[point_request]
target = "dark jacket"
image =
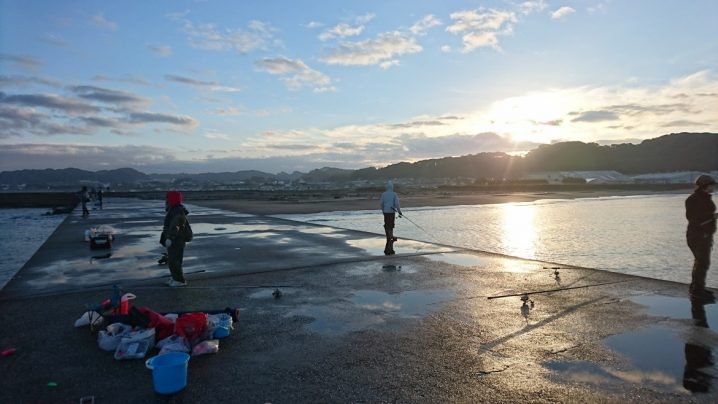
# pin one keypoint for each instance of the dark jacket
(700, 212)
(176, 227)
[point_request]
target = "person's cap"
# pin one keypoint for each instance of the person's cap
(705, 180)
(174, 198)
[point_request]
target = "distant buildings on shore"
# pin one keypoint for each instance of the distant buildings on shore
(537, 178)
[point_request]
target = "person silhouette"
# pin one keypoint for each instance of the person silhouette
(699, 358)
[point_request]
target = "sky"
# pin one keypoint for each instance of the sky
(211, 85)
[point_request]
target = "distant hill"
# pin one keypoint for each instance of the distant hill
(669, 153)
(674, 152)
(70, 176)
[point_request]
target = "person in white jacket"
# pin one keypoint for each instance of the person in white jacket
(389, 207)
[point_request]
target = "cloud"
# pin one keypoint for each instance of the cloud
(55, 40)
(214, 135)
(132, 79)
(49, 101)
(296, 73)
(420, 27)
(152, 117)
(341, 30)
(481, 28)
(159, 50)
(257, 36)
(528, 7)
(422, 146)
(385, 47)
(314, 24)
(23, 62)
(88, 157)
(108, 96)
(683, 123)
(382, 50)
(209, 85)
(24, 81)
(562, 13)
(595, 116)
(99, 21)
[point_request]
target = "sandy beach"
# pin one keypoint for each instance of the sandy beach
(413, 200)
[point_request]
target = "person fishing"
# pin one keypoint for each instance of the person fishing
(389, 202)
(701, 215)
(84, 198)
(175, 234)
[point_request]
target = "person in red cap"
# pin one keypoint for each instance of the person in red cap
(701, 215)
(175, 234)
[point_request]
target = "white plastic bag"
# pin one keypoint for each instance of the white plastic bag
(110, 338)
(85, 319)
(206, 347)
(173, 343)
(136, 344)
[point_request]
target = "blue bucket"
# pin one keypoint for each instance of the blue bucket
(169, 372)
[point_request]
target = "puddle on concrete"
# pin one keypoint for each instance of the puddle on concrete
(377, 268)
(466, 260)
(370, 308)
(375, 246)
(664, 359)
(679, 308)
(658, 357)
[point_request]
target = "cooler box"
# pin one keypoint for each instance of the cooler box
(101, 242)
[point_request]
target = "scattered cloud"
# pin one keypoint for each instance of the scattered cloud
(55, 40)
(132, 79)
(48, 101)
(88, 157)
(562, 13)
(24, 81)
(151, 117)
(215, 135)
(420, 27)
(481, 28)
(595, 116)
(382, 50)
(341, 30)
(296, 74)
(314, 24)
(22, 62)
(683, 123)
(106, 95)
(257, 36)
(159, 50)
(209, 85)
(528, 7)
(385, 47)
(100, 21)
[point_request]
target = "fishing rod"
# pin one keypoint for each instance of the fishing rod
(556, 290)
(421, 228)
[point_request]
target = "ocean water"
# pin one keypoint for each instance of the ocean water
(24, 231)
(639, 235)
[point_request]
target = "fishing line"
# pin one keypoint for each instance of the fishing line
(557, 290)
(420, 228)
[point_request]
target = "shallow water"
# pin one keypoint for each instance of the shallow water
(25, 231)
(639, 235)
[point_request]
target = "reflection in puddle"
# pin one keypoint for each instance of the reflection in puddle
(369, 308)
(662, 357)
(659, 359)
(676, 307)
(467, 260)
(375, 246)
(384, 267)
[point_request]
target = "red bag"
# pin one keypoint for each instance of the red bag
(192, 326)
(162, 325)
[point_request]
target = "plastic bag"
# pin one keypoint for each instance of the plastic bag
(220, 325)
(173, 343)
(206, 347)
(192, 326)
(110, 338)
(136, 344)
(85, 319)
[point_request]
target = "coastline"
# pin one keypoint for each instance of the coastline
(414, 200)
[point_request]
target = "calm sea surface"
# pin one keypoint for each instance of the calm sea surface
(640, 235)
(23, 232)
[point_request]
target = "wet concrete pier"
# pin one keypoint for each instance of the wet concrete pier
(351, 325)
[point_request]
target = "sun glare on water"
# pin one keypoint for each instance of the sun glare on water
(519, 232)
